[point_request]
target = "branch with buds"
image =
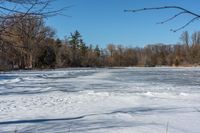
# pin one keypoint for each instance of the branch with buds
(182, 11)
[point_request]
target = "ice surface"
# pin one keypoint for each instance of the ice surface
(135, 100)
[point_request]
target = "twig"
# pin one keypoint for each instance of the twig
(171, 18)
(188, 23)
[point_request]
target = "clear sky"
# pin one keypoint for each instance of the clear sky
(103, 21)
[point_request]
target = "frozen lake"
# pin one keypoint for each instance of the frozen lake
(135, 100)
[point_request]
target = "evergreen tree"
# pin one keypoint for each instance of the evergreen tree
(97, 51)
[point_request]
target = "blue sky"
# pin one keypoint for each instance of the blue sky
(103, 21)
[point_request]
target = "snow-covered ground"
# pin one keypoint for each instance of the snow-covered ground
(135, 100)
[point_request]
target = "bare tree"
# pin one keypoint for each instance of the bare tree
(181, 11)
(185, 38)
(195, 38)
(26, 36)
(21, 27)
(10, 9)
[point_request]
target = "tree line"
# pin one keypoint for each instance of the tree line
(30, 44)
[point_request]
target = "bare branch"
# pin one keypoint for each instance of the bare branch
(164, 7)
(181, 12)
(188, 23)
(171, 18)
(22, 8)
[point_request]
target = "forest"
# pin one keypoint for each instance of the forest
(30, 44)
(26, 42)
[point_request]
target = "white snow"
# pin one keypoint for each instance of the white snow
(135, 100)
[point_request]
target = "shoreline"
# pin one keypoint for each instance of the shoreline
(50, 69)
